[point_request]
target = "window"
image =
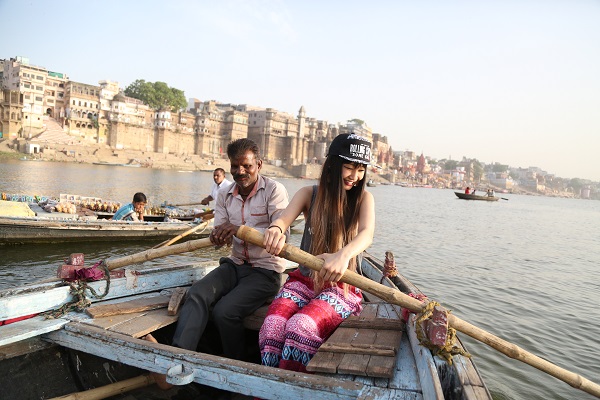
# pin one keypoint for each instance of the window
(39, 88)
(39, 98)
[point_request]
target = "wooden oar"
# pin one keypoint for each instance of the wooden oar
(504, 198)
(156, 253)
(181, 205)
(148, 255)
(169, 242)
(393, 296)
(111, 389)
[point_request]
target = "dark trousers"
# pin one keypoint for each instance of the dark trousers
(234, 292)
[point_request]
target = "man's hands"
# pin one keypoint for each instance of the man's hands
(223, 234)
(205, 201)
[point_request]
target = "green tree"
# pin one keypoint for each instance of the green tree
(576, 184)
(499, 168)
(357, 121)
(449, 165)
(477, 171)
(157, 95)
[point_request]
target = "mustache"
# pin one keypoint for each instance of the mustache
(241, 176)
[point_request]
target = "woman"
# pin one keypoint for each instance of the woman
(340, 219)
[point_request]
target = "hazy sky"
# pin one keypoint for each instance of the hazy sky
(510, 81)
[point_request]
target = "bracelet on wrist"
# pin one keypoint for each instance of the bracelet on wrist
(275, 226)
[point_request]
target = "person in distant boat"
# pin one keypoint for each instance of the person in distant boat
(133, 211)
(339, 225)
(220, 182)
(250, 276)
(468, 190)
(490, 193)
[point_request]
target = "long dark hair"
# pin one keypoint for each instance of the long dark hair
(334, 219)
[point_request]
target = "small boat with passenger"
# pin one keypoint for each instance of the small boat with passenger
(376, 355)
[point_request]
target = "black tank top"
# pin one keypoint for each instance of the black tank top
(307, 235)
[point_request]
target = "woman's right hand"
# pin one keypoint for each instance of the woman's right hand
(274, 240)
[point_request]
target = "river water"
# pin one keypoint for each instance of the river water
(525, 268)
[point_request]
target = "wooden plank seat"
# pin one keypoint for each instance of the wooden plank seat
(141, 316)
(366, 345)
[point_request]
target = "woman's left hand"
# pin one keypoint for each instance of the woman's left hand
(334, 267)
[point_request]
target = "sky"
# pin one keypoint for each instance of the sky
(509, 81)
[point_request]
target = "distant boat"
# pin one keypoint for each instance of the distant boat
(371, 183)
(465, 196)
(134, 165)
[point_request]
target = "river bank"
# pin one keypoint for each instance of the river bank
(102, 155)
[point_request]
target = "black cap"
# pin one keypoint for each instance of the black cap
(351, 147)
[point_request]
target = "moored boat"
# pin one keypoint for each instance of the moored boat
(76, 352)
(465, 196)
(30, 230)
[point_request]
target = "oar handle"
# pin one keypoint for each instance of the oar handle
(393, 296)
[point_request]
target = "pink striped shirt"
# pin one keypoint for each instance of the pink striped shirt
(263, 205)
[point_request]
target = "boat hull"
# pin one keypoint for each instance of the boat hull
(36, 230)
(95, 349)
(465, 196)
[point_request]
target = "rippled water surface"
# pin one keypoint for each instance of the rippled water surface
(525, 269)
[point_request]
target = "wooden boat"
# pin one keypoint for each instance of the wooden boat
(371, 183)
(465, 196)
(130, 164)
(42, 358)
(28, 230)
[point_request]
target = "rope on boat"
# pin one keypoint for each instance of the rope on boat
(389, 266)
(450, 348)
(80, 302)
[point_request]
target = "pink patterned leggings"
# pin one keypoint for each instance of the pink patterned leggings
(298, 321)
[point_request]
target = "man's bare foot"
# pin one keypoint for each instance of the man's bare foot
(160, 379)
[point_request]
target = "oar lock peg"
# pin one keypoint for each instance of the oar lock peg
(180, 375)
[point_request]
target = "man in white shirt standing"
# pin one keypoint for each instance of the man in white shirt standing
(220, 182)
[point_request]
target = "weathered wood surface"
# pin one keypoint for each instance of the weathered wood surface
(43, 297)
(34, 230)
(237, 376)
(176, 300)
(132, 306)
(361, 345)
(28, 328)
(137, 325)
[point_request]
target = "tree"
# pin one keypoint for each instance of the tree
(357, 121)
(157, 95)
(477, 171)
(499, 167)
(450, 165)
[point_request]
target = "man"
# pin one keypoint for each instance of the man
(250, 276)
(220, 182)
(133, 211)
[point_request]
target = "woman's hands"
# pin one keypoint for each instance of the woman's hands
(274, 239)
(334, 267)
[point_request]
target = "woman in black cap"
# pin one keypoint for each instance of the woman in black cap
(339, 225)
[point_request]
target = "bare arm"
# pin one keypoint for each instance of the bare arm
(336, 264)
(274, 236)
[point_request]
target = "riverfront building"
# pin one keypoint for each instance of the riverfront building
(102, 115)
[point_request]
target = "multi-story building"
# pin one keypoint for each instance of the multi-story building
(216, 124)
(382, 151)
(357, 127)
(11, 113)
(82, 111)
(282, 138)
(43, 92)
